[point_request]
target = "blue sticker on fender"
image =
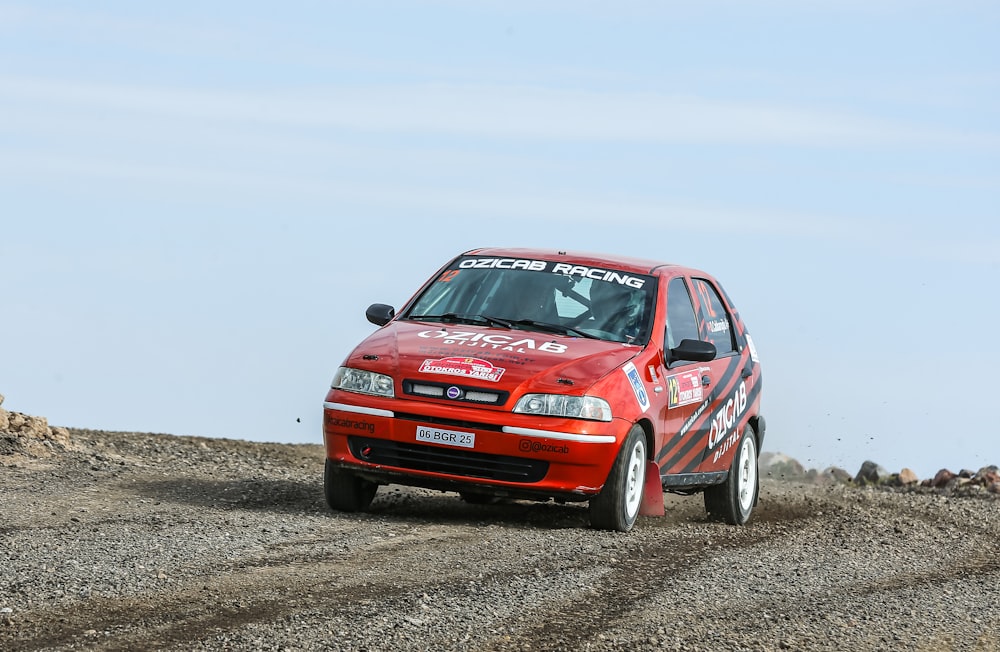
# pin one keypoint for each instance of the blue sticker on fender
(636, 380)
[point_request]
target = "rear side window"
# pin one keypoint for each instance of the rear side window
(718, 326)
(681, 322)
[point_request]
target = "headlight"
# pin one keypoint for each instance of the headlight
(557, 405)
(363, 382)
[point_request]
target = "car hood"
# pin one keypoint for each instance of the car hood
(502, 359)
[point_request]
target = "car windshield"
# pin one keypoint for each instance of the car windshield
(541, 295)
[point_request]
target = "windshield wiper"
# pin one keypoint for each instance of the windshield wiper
(555, 328)
(487, 320)
(454, 317)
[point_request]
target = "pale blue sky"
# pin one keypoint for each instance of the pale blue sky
(199, 200)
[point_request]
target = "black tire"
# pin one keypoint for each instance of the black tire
(617, 506)
(733, 500)
(346, 492)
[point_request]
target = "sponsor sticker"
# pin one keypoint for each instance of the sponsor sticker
(720, 325)
(349, 424)
(684, 388)
(532, 446)
(728, 416)
(567, 269)
(636, 381)
(753, 349)
(475, 368)
(446, 437)
(491, 341)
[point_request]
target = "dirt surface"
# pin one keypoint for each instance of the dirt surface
(134, 541)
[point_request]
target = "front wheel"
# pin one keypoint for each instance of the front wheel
(733, 500)
(346, 492)
(617, 506)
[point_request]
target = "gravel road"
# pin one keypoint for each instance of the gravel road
(138, 541)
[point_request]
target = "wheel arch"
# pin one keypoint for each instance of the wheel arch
(650, 433)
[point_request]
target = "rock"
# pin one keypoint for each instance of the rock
(908, 477)
(871, 473)
(1, 399)
(60, 435)
(779, 465)
(994, 488)
(837, 475)
(965, 473)
(942, 478)
(27, 436)
(987, 475)
(957, 482)
(15, 421)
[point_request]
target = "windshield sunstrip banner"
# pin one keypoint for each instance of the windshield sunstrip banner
(565, 269)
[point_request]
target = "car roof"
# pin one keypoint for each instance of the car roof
(590, 259)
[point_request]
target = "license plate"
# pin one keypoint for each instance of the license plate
(446, 437)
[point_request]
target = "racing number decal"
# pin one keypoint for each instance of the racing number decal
(684, 388)
(705, 298)
(449, 275)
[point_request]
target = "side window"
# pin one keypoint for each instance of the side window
(718, 325)
(681, 323)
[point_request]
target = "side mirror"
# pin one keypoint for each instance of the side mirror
(693, 350)
(380, 314)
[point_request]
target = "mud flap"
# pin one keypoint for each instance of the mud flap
(652, 492)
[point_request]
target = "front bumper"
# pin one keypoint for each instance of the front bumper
(512, 453)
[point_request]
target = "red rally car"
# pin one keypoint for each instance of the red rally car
(531, 374)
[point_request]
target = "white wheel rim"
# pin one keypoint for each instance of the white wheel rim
(635, 476)
(746, 471)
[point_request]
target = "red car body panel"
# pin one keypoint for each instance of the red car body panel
(692, 412)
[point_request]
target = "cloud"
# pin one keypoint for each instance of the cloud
(497, 112)
(594, 210)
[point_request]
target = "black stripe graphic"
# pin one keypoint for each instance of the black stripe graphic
(730, 382)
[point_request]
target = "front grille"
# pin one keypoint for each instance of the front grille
(453, 392)
(418, 457)
(447, 423)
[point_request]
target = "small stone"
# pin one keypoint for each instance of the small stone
(908, 477)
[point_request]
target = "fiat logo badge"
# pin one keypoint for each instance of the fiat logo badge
(454, 392)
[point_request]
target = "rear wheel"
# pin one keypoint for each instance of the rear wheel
(617, 506)
(733, 500)
(345, 491)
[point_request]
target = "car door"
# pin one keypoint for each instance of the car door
(725, 380)
(686, 401)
